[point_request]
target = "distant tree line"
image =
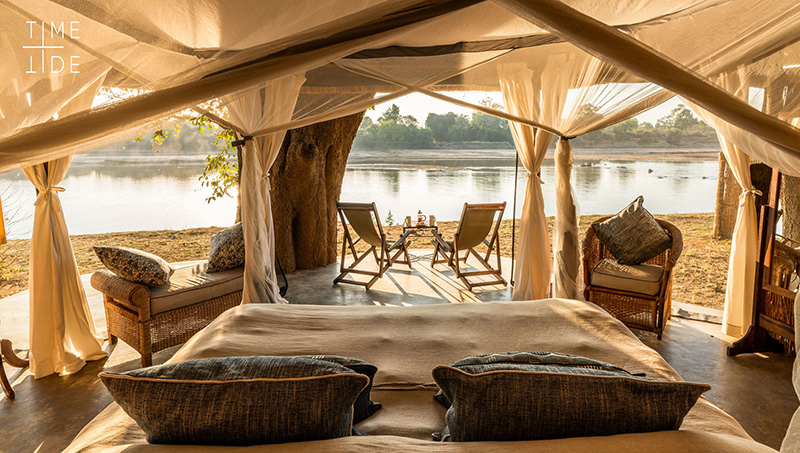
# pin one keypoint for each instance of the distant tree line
(395, 131)
(680, 128)
(392, 130)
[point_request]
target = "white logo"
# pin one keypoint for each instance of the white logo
(51, 60)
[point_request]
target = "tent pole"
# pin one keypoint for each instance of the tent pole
(514, 211)
(514, 216)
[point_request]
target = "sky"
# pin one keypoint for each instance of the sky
(419, 105)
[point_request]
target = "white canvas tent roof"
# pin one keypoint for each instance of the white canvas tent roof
(564, 67)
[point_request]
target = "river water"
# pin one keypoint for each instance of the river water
(163, 192)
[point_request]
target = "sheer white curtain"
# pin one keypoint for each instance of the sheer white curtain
(569, 93)
(255, 109)
(568, 279)
(566, 82)
(738, 310)
(738, 314)
(532, 273)
(62, 331)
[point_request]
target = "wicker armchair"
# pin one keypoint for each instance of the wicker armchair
(637, 310)
(150, 324)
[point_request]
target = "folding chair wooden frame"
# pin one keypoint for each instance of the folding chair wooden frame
(7, 354)
(477, 223)
(359, 216)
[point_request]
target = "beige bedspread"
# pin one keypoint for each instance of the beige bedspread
(406, 343)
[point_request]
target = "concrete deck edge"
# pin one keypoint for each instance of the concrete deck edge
(696, 312)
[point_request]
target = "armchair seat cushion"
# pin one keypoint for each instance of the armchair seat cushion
(638, 278)
(191, 283)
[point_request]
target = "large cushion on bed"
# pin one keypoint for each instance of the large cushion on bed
(633, 235)
(558, 396)
(239, 400)
(530, 358)
(191, 284)
(635, 278)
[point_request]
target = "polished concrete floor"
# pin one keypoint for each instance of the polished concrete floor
(47, 413)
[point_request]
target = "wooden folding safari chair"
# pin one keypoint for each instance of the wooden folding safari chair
(476, 225)
(360, 218)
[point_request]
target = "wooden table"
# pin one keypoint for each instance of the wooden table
(418, 229)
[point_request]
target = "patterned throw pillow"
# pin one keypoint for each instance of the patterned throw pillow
(633, 235)
(556, 396)
(239, 400)
(227, 249)
(135, 265)
(531, 358)
(364, 407)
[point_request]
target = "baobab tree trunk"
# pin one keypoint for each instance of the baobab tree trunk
(727, 203)
(728, 192)
(306, 182)
(790, 202)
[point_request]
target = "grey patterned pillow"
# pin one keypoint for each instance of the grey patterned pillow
(227, 249)
(135, 265)
(239, 400)
(531, 358)
(633, 235)
(574, 396)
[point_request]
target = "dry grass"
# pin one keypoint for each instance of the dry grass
(699, 276)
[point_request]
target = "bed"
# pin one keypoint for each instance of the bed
(406, 343)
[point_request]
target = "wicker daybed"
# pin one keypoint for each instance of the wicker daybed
(152, 319)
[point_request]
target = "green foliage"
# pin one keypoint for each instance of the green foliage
(393, 130)
(221, 172)
(389, 219)
(678, 129)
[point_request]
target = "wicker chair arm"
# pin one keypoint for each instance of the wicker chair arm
(591, 247)
(677, 244)
(127, 292)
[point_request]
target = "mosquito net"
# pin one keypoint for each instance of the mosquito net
(564, 68)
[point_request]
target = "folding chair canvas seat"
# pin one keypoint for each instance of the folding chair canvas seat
(478, 222)
(360, 216)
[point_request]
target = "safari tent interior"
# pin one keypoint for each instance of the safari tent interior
(261, 68)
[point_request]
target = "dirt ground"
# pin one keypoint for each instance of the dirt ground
(699, 275)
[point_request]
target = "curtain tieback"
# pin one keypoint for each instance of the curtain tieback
(237, 143)
(751, 191)
(46, 192)
(536, 178)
